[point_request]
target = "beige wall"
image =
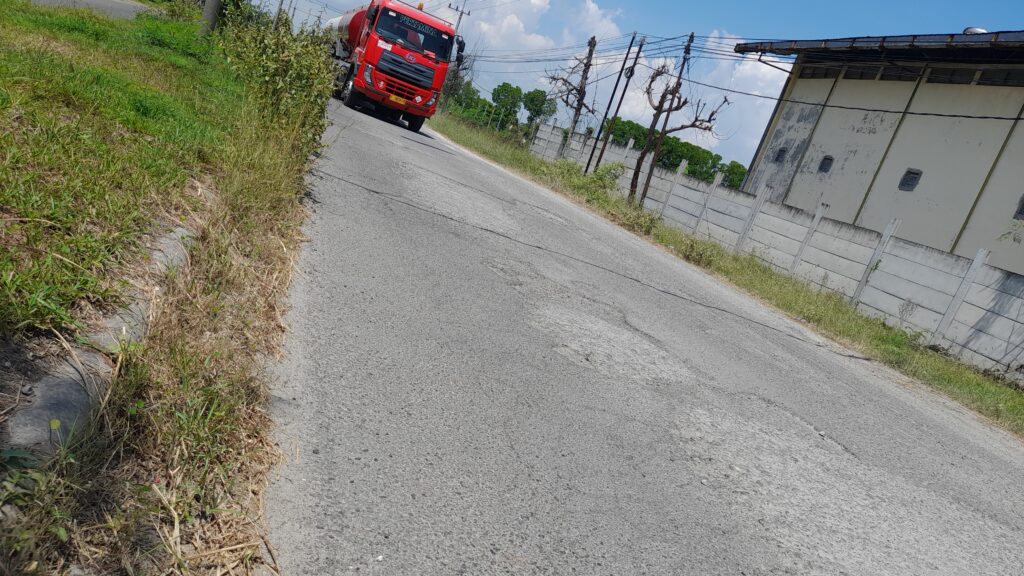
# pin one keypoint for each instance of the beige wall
(792, 131)
(993, 217)
(857, 140)
(955, 155)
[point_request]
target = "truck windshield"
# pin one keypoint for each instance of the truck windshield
(414, 35)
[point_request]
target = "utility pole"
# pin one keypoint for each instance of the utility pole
(581, 91)
(664, 127)
(611, 100)
(277, 15)
(211, 16)
(290, 11)
(462, 12)
(574, 96)
(629, 77)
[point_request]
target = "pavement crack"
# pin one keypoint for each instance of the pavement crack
(552, 251)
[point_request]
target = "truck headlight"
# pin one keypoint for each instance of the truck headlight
(368, 74)
(433, 100)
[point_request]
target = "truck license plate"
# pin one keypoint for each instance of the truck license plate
(397, 100)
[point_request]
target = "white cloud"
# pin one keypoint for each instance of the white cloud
(742, 123)
(543, 26)
(510, 29)
(595, 21)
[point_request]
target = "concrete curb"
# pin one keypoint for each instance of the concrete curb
(70, 391)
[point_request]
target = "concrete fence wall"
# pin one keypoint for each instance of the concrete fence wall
(974, 310)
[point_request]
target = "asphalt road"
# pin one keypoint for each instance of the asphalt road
(483, 378)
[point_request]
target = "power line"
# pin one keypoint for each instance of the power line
(842, 107)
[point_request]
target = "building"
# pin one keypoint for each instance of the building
(922, 128)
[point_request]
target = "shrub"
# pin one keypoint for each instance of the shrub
(290, 73)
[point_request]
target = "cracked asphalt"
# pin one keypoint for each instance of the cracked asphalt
(484, 378)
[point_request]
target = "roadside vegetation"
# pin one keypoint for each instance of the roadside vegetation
(829, 313)
(112, 132)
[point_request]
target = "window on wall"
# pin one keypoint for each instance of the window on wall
(951, 76)
(819, 71)
(780, 155)
(911, 178)
(861, 72)
(900, 73)
(825, 166)
(1002, 77)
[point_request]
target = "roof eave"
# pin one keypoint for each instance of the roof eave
(1002, 40)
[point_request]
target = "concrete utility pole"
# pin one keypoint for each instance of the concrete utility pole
(574, 96)
(462, 12)
(277, 15)
(664, 126)
(581, 90)
(629, 77)
(211, 16)
(611, 100)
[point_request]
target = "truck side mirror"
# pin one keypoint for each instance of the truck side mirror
(460, 46)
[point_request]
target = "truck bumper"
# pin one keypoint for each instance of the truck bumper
(384, 98)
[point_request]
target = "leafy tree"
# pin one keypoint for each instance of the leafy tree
(624, 130)
(701, 163)
(467, 96)
(733, 174)
(538, 106)
(507, 101)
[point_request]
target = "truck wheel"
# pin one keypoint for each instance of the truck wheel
(415, 122)
(351, 97)
(342, 82)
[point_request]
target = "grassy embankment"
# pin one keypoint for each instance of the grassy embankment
(828, 313)
(111, 132)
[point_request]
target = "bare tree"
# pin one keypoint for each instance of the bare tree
(700, 117)
(574, 95)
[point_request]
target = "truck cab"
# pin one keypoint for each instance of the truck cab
(394, 56)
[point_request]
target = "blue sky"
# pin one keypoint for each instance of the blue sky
(540, 29)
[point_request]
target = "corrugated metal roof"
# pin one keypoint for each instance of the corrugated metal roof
(1002, 40)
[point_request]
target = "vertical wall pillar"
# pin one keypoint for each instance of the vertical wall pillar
(876, 256)
(818, 215)
(547, 141)
(583, 149)
(762, 195)
(672, 187)
(958, 299)
(704, 208)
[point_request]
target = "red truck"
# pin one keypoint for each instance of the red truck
(393, 56)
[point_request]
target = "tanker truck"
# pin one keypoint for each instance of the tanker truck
(394, 57)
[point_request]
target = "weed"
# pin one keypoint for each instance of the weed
(102, 127)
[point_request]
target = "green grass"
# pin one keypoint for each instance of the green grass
(826, 312)
(101, 124)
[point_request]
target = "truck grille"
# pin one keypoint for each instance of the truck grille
(416, 74)
(399, 89)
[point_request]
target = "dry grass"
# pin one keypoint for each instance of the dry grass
(169, 477)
